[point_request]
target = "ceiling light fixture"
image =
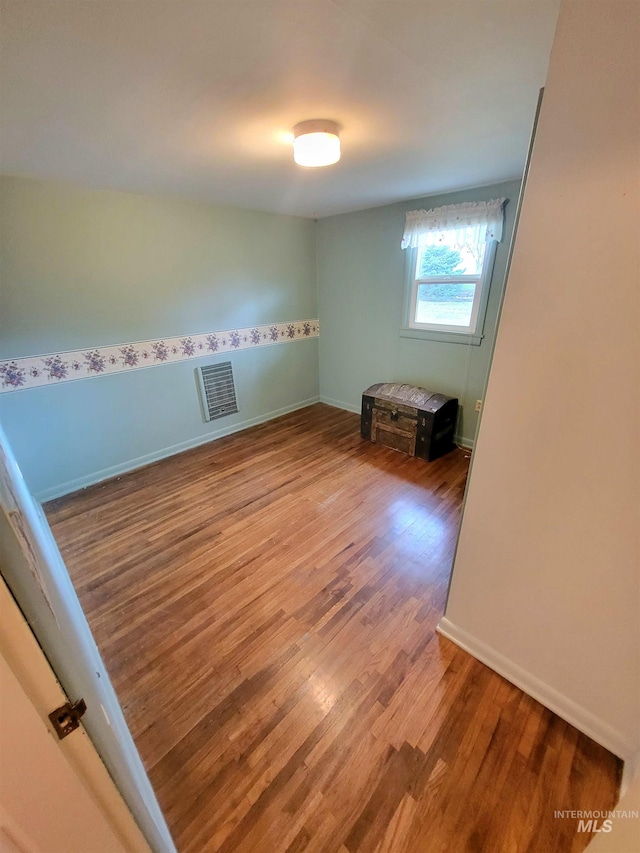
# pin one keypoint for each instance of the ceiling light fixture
(316, 143)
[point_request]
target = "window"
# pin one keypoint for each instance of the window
(450, 261)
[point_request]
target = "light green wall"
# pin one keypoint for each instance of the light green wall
(69, 435)
(83, 268)
(88, 268)
(361, 282)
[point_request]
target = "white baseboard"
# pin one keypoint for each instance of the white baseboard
(339, 404)
(630, 772)
(140, 461)
(461, 441)
(584, 720)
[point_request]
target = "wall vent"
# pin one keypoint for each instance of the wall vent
(217, 391)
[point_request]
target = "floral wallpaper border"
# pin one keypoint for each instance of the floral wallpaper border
(54, 368)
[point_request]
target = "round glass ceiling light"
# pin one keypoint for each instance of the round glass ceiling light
(316, 143)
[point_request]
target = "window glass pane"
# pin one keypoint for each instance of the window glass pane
(450, 260)
(448, 304)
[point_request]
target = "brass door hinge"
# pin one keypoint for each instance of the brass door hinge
(66, 719)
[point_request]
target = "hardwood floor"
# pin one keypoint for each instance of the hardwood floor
(266, 606)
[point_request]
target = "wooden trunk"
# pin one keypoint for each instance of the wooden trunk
(409, 419)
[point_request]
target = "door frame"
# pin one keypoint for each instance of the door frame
(39, 581)
(20, 649)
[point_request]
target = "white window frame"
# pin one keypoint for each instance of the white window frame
(472, 221)
(480, 298)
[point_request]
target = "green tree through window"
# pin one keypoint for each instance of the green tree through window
(440, 260)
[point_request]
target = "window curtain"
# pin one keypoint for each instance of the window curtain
(455, 225)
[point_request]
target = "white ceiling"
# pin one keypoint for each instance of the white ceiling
(197, 98)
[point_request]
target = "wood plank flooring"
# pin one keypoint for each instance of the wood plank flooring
(266, 606)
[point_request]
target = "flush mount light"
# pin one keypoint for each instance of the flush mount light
(316, 143)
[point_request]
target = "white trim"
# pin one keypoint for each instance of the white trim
(553, 699)
(630, 770)
(442, 337)
(470, 334)
(339, 404)
(470, 328)
(131, 464)
(39, 578)
(467, 443)
(26, 660)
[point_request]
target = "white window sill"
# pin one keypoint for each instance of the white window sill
(442, 337)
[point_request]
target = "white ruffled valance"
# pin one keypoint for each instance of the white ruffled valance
(455, 225)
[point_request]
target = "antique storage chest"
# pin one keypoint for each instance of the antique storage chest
(409, 419)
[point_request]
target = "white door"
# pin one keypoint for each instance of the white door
(35, 572)
(55, 795)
